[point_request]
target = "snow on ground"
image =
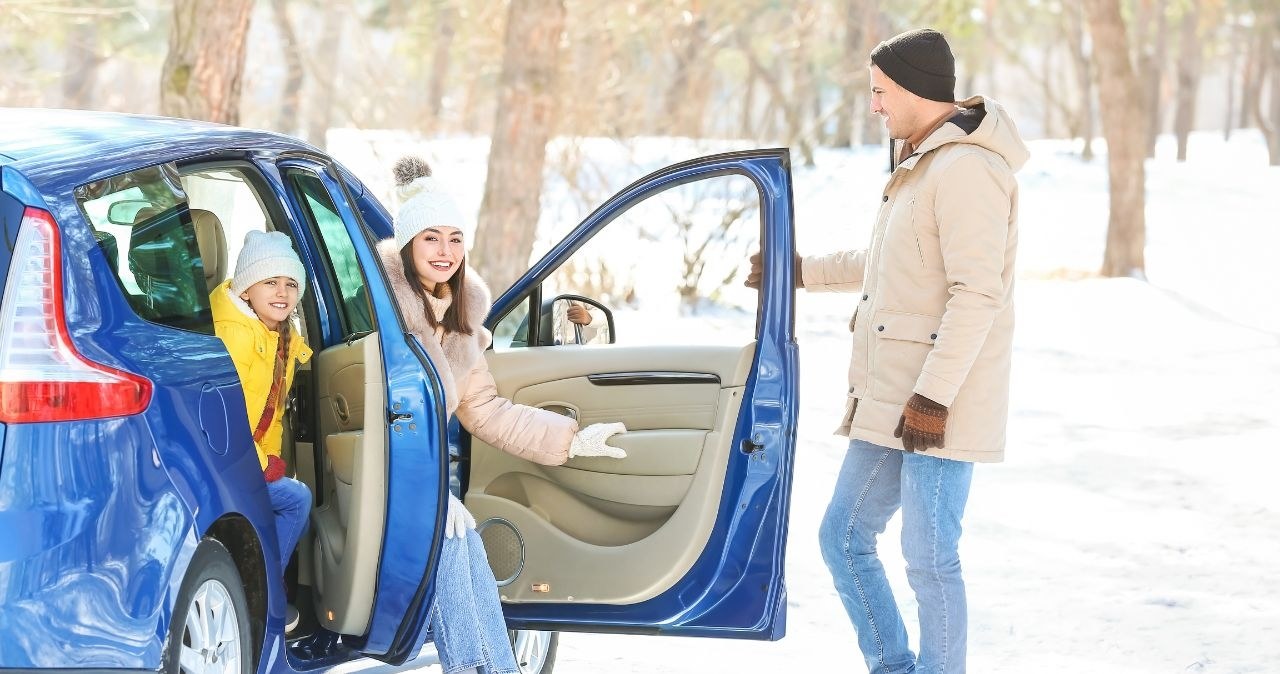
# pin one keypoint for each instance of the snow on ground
(1135, 526)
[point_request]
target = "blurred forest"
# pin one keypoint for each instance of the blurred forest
(770, 72)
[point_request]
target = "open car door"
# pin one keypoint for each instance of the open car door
(380, 443)
(687, 534)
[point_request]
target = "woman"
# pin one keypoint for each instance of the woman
(444, 304)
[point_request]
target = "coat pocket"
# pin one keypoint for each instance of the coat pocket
(903, 341)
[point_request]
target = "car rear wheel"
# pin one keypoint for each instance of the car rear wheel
(210, 629)
(535, 651)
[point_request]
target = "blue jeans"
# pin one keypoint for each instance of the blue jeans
(291, 501)
(466, 618)
(874, 483)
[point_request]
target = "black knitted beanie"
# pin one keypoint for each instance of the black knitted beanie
(921, 62)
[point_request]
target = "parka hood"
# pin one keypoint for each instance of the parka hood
(996, 132)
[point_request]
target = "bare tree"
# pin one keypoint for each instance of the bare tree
(1190, 48)
(711, 230)
(202, 73)
(518, 151)
(857, 43)
(1152, 16)
(324, 73)
(1269, 70)
(287, 114)
(1077, 47)
(446, 16)
(1125, 130)
(82, 64)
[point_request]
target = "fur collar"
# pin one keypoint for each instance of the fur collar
(454, 355)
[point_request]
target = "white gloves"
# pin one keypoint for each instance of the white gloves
(458, 519)
(590, 441)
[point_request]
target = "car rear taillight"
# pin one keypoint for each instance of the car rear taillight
(42, 376)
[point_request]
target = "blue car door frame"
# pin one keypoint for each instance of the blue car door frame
(736, 587)
(416, 456)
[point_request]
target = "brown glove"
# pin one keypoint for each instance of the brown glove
(753, 276)
(923, 424)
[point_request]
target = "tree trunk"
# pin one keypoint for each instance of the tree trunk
(1269, 68)
(1250, 82)
(446, 16)
(1234, 37)
(1154, 13)
(287, 115)
(1084, 78)
(747, 127)
(525, 117)
(320, 107)
(1189, 56)
(1273, 138)
(684, 93)
(1124, 127)
(853, 73)
(202, 73)
(81, 67)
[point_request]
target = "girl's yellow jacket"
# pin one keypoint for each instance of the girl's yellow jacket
(252, 347)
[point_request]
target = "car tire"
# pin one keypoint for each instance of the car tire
(210, 629)
(535, 650)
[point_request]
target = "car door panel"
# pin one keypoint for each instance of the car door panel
(350, 520)
(607, 551)
(644, 518)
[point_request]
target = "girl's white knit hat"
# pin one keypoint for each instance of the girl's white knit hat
(267, 255)
(424, 202)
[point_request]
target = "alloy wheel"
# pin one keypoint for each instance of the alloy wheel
(211, 639)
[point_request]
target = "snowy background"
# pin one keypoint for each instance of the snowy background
(1135, 525)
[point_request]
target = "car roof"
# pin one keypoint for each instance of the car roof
(73, 146)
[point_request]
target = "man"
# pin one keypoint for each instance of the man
(932, 338)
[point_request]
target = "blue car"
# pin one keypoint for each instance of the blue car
(135, 530)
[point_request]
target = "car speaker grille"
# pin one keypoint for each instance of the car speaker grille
(504, 547)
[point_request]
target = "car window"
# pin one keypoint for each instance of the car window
(338, 250)
(143, 226)
(670, 268)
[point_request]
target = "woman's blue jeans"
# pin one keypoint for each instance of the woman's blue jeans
(466, 618)
(874, 483)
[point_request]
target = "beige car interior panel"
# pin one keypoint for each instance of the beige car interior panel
(347, 527)
(611, 531)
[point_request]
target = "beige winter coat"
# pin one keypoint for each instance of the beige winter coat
(529, 433)
(936, 312)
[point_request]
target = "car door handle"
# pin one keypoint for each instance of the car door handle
(341, 408)
(563, 409)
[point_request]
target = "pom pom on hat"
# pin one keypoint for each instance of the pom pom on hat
(267, 255)
(424, 203)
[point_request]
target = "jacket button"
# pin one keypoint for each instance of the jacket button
(850, 389)
(880, 328)
(884, 198)
(933, 336)
(865, 298)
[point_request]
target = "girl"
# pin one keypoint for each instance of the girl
(444, 304)
(251, 312)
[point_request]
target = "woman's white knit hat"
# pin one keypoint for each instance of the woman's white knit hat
(267, 255)
(424, 202)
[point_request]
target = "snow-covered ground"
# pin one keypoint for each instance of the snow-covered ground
(1135, 526)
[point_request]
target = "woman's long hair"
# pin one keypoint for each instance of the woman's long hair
(454, 320)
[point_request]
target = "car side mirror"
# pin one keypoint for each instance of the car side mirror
(575, 319)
